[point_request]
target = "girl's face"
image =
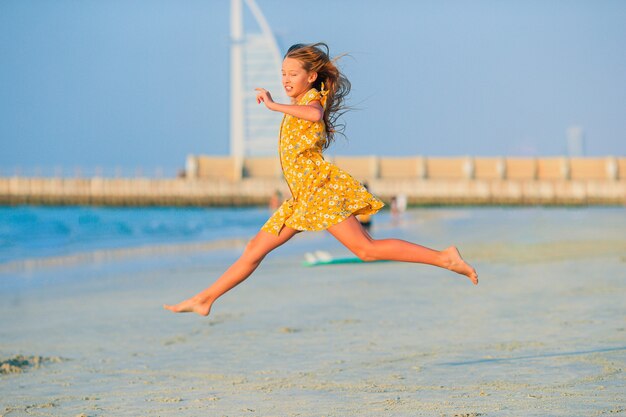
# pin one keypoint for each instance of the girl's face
(296, 80)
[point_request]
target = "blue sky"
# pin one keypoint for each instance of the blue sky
(144, 83)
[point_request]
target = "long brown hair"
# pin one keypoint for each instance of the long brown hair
(316, 57)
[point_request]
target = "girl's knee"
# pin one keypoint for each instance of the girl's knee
(254, 250)
(366, 253)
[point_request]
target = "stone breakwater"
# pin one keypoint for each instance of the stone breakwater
(207, 192)
(225, 181)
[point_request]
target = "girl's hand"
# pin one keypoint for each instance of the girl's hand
(264, 96)
(313, 112)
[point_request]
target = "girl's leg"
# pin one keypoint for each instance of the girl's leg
(351, 234)
(262, 244)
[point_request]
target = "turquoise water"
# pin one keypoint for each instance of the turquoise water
(55, 244)
(33, 232)
(28, 232)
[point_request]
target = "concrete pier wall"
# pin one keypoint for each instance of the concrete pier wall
(214, 180)
(367, 168)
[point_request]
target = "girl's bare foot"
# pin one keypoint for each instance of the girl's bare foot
(192, 305)
(455, 263)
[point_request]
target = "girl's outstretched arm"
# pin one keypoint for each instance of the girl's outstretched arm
(313, 112)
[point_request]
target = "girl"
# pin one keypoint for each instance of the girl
(323, 196)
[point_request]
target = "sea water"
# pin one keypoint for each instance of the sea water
(35, 232)
(31, 232)
(52, 244)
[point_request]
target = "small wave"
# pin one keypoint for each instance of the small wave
(123, 228)
(85, 219)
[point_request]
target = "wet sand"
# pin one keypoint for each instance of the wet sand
(543, 334)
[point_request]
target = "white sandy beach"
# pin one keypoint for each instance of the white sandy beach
(543, 334)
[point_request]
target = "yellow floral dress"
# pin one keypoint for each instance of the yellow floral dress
(322, 194)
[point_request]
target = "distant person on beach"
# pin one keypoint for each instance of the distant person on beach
(275, 200)
(395, 212)
(365, 219)
(324, 197)
(401, 202)
(398, 206)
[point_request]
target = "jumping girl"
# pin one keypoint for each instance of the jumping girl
(323, 196)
